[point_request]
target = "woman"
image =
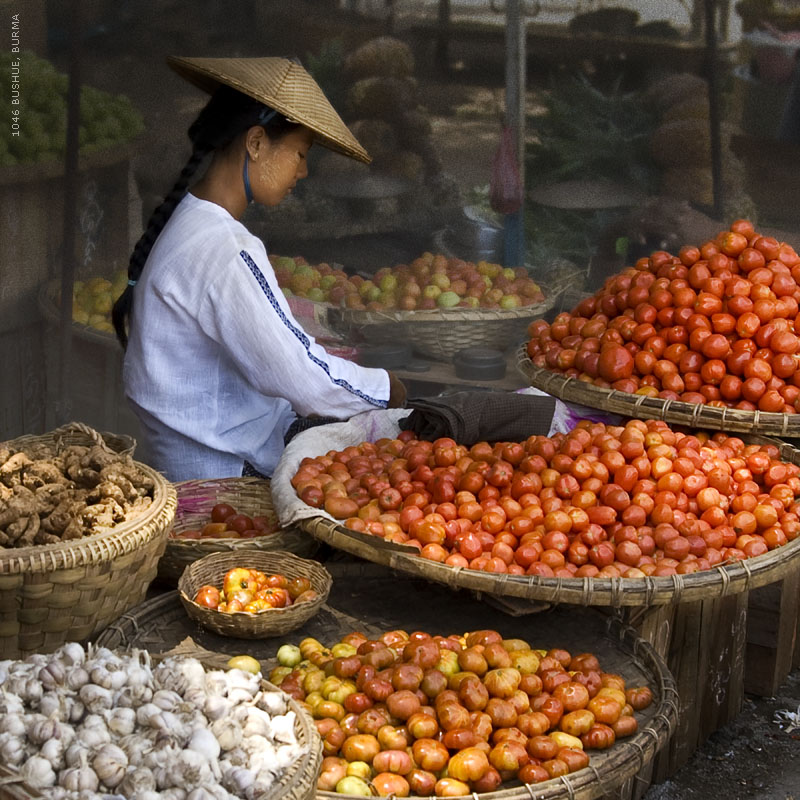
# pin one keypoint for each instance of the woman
(217, 369)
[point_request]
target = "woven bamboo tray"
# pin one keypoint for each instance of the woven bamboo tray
(249, 496)
(374, 605)
(676, 412)
(51, 594)
(721, 581)
(211, 569)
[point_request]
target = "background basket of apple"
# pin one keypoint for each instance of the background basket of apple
(439, 304)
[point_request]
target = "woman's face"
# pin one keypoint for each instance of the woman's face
(279, 165)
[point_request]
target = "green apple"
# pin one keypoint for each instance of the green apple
(431, 291)
(447, 300)
(508, 301)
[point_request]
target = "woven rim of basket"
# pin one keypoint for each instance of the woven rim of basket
(98, 548)
(625, 758)
(51, 311)
(720, 581)
(678, 412)
(360, 316)
(211, 569)
(250, 493)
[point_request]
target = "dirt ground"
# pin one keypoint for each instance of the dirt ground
(753, 757)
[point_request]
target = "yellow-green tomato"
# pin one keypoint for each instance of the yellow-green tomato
(313, 680)
(343, 650)
(448, 662)
(360, 769)
(277, 674)
(330, 684)
(340, 694)
(350, 784)
(289, 655)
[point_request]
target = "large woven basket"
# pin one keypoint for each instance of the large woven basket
(51, 594)
(249, 496)
(440, 333)
(373, 604)
(720, 581)
(246, 625)
(612, 768)
(676, 412)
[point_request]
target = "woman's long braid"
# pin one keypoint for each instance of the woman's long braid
(158, 219)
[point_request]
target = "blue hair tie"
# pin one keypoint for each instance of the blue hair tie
(248, 192)
(131, 283)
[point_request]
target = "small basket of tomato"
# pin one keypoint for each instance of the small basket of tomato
(226, 515)
(253, 594)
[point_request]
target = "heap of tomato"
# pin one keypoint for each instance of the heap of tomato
(601, 501)
(716, 325)
(251, 590)
(431, 715)
(225, 522)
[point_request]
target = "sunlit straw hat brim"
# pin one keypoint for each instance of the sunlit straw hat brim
(280, 84)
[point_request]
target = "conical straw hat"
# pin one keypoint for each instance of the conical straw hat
(280, 84)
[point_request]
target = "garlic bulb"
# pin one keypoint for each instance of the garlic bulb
(80, 777)
(238, 780)
(110, 763)
(12, 749)
(180, 674)
(76, 677)
(136, 747)
(283, 728)
(38, 772)
(53, 751)
(53, 674)
(40, 730)
(121, 721)
(13, 723)
(93, 736)
(136, 781)
(274, 703)
(217, 707)
(216, 682)
(71, 654)
(133, 696)
(208, 793)
(166, 699)
(257, 723)
(228, 733)
(108, 675)
(96, 698)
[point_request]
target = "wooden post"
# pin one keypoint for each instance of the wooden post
(714, 114)
(514, 240)
(64, 412)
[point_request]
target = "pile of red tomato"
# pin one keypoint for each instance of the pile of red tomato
(431, 715)
(225, 522)
(600, 501)
(716, 325)
(251, 590)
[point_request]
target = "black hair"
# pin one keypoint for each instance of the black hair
(226, 115)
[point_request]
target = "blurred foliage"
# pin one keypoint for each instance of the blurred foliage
(327, 69)
(585, 134)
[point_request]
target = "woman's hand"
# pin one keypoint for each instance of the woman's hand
(397, 392)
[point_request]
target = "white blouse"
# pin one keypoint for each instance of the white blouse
(217, 367)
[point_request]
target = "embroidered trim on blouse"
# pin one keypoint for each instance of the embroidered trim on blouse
(300, 335)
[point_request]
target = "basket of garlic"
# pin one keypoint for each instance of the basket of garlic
(84, 724)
